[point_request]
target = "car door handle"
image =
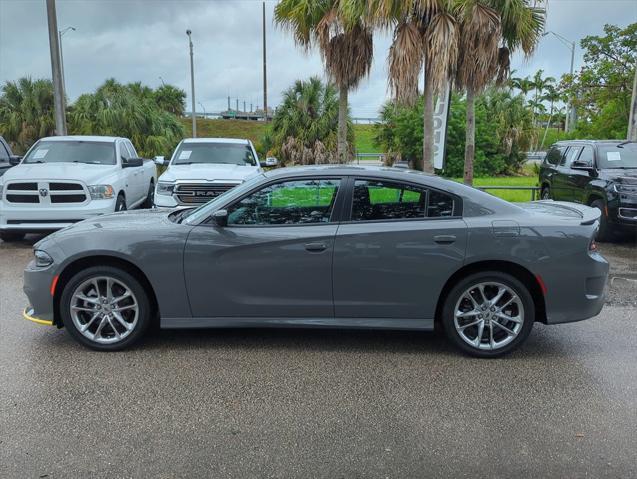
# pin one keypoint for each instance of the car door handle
(315, 247)
(444, 239)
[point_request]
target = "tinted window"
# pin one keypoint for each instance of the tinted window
(123, 151)
(586, 155)
(570, 156)
(75, 151)
(216, 153)
(555, 154)
(379, 200)
(615, 156)
(287, 202)
(4, 156)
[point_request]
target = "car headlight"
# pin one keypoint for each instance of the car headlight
(42, 258)
(165, 188)
(624, 188)
(101, 192)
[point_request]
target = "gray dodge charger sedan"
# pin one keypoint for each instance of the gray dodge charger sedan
(325, 246)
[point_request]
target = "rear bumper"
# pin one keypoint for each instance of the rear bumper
(25, 218)
(576, 292)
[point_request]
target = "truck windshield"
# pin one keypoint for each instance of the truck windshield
(72, 151)
(616, 156)
(214, 153)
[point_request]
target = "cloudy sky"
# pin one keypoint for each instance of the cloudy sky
(141, 40)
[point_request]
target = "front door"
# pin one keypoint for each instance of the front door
(272, 260)
(392, 258)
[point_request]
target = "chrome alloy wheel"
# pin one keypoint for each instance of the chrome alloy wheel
(104, 310)
(489, 315)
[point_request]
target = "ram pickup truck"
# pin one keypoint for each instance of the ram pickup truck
(65, 179)
(203, 168)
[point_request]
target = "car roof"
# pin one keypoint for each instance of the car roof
(569, 142)
(241, 141)
(84, 138)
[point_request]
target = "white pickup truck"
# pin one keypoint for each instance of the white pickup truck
(203, 168)
(65, 179)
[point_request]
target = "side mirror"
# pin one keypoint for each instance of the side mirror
(132, 162)
(581, 165)
(14, 160)
(220, 217)
(161, 161)
(271, 161)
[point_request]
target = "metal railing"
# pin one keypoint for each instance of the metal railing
(533, 189)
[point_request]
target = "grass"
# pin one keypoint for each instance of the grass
(512, 195)
(254, 130)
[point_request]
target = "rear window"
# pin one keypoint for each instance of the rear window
(214, 153)
(72, 151)
(555, 154)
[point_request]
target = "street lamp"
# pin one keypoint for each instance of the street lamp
(570, 110)
(61, 34)
(204, 109)
(162, 81)
(192, 85)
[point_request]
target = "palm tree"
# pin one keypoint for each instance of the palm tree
(540, 84)
(345, 43)
(552, 95)
(425, 34)
(525, 85)
(490, 31)
(170, 99)
(26, 112)
(305, 125)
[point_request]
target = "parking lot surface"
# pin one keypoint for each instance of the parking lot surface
(308, 403)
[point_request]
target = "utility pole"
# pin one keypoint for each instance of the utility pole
(571, 114)
(265, 72)
(632, 120)
(237, 109)
(244, 106)
(228, 103)
(58, 87)
(192, 86)
(60, 35)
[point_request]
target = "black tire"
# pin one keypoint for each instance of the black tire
(604, 233)
(144, 308)
(150, 197)
(120, 204)
(546, 193)
(448, 317)
(9, 236)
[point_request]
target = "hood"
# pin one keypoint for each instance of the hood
(584, 215)
(90, 174)
(626, 176)
(209, 172)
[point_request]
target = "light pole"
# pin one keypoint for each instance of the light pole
(192, 86)
(265, 73)
(570, 110)
(56, 74)
(61, 34)
(162, 81)
(204, 109)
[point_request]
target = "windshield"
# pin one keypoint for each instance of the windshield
(615, 156)
(72, 151)
(214, 153)
(201, 213)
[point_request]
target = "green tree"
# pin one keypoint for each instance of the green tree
(26, 112)
(170, 99)
(602, 88)
(305, 125)
(345, 43)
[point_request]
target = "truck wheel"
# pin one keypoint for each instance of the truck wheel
(8, 236)
(488, 314)
(120, 204)
(105, 308)
(150, 197)
(604, 233)
(546, 193)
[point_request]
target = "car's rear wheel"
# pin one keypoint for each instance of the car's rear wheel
(8, 236)
(105, 308)
(488, 314)
(604, 233)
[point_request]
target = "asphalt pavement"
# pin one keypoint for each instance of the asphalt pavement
(308, 403)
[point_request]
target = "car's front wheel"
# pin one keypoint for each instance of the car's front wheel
(488, 314)
(105, 308)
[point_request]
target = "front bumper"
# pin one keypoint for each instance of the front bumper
(29, 315)
(36, 218)
(38, 287)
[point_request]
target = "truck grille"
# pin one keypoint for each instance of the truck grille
(45, 193)
(198, 193)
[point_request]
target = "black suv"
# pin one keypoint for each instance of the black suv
(598, 173)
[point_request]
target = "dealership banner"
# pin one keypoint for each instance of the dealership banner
(441, 116)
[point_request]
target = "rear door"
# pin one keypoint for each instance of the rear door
(562, 189)
(399, 247)
(578, 179)
(548, 170)
(273, 259)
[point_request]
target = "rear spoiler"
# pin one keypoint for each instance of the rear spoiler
(589, 215)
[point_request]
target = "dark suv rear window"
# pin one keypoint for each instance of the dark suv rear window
(555, 154)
